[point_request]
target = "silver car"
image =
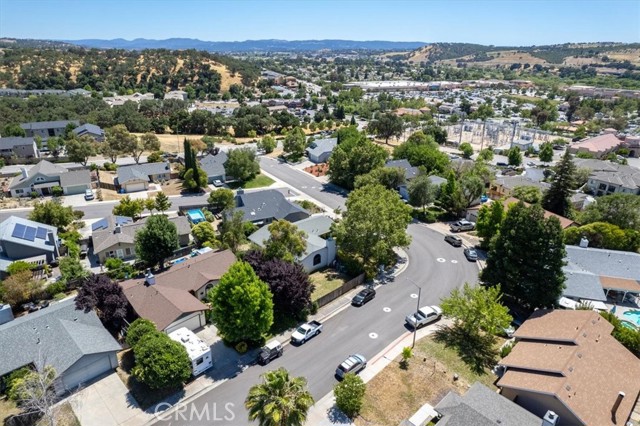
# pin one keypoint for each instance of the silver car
(354, 364)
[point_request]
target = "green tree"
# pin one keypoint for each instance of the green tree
(13, 130)
(353, 157)
(280, 400)
(129, 207)
(80, 149)
(118, 269)
(138, 329)
(514, 156)
(147, 142)
(490, 218)
(389, 177)
(19, 288)
(528, 193)
(71, 269)
(162, 203)
(242, 306)
(160, 362)
(52, 213)
(150, 204)
(242, 164)
(18, 266)
(374, 223)
(527, 257)
(294, 143)
(485, 155)
(604, 235)
(35, 393)
(546, 152)
(221, 199)
(422, 150)
(622, 210)
(232, 230)
(156, 241)
(267, 144)
(285, 241)
(204, 233)
(452, 197)
(387, 125)
(118, 141)
(557, 199)
(422, 192)
(349, 395)
(466, 149)
(483, 112)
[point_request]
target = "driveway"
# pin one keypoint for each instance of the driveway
(107, 402)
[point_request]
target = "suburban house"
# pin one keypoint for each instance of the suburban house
(172, 299)
(632, 143)
(567, 361)
(472, 212)
(595, 274)
(480, 406)
(47, 129)
(23, 239)
(213, 166)
(321, 248)
(138, 176)
(19, 147)
(523, 144)
(263, 207)
(598, 146)
(503, 186)
(410, 172)
(72, 341)
(91, 130)
(180, 95)
(114, 236)
(44, 176)
(320, 150)
(610, 178)
(121, 99)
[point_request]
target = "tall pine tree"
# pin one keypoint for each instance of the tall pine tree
(557, 199)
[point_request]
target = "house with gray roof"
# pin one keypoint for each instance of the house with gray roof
(321, 248)
(180, 95)
(265, 206)
(91, 130)
(44, 176)
(23, 239)
(610, 178)
(21, 147)
(138, 176)
(320, 150)
(410, 172)
(480, 406)
(72, 341)
(114, 236)
(47, 129)
(213, 166)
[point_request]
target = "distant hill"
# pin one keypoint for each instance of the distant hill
(18, 42)
(248, 45)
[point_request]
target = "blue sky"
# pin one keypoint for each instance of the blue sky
(506, 22)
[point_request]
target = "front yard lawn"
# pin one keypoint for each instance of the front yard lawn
(396, 394)
(260, 181)
(326, 281)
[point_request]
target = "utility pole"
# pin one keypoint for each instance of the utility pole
(415, 329)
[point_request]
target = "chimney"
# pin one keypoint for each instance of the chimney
(584, 242)
(616, 405)
(117, 229)
(550, 419)
(149, 278)
(25, 173)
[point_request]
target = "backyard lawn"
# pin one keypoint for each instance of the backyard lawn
(428, 379)
(326, 281)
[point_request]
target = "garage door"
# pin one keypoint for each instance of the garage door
(76, 189)
(79, 373)
(134, 187)
(191, 322)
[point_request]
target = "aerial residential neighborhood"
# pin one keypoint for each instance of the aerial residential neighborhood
(319, 222)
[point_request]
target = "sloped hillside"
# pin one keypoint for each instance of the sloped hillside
(156, 71)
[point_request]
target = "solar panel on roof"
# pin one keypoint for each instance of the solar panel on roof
(41, 233)
(18, 230)
(101, 224)
(30, 233)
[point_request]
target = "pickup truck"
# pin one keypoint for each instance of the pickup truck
(306, 332)
(462, 225)
(424, 316)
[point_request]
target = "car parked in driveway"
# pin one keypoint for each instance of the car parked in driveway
(88, 195)
(364, 296)
(471, 254)
(425, 315)
(453, 240)
(354, 364)
(462, 225)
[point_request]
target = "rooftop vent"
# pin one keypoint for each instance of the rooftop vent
(149, 278)
(550, 419)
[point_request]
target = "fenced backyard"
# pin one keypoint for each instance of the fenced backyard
(328, 295)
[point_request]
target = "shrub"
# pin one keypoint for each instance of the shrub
(12, 380)
(241, 347)
(59, 296)
(55, 288)
(34, 194)
(57, 191)
(18, 266)
(160, 361)
(350, 395)
(407, 354)
(506, 349)
(110, 167)
(138, 329)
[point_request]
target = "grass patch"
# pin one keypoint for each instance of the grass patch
(309, 206)
(325, 281)
(428, 378)
(143, 394)
(8, 408)
(260, 181)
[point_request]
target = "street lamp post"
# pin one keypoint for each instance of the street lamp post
(415, 328)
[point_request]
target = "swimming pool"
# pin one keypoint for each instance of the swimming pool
(195, 216)
(182, 259)
(628, 324)
(633, 316)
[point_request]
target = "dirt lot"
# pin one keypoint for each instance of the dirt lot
(428, 379)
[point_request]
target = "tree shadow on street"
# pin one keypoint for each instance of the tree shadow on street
(475, 349)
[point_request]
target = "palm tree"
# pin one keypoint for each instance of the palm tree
(280, 400)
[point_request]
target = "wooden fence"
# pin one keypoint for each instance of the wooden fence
(348, 286)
